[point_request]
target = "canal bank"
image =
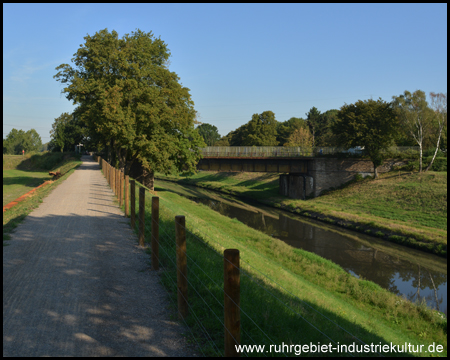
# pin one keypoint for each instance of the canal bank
(290, 294)
(403, 271)
(395, 215)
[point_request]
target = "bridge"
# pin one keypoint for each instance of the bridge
(304, 172)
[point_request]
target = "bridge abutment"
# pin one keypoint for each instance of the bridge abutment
(296, 186)
(303, 177)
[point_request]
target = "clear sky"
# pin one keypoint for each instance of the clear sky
(237, 59)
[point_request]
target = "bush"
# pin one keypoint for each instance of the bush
(439, 164)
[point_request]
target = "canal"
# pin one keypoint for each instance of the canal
(403, 271)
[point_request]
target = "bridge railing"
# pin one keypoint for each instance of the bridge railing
(288, 151)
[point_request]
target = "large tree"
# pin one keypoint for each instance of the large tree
(209, 133)
(416, 117)
(313, 118)
(261, 130)
(369, 123)
(131, 103)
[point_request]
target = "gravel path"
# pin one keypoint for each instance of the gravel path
(75, 282)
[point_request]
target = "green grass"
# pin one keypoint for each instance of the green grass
(399, 203)
(282, 306)
(18, 182)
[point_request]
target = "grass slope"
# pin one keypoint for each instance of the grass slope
(287, 295)
(19, 182)
(402, 203)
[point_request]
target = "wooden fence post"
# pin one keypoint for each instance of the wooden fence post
(133, 202)
(113, 179)
(141, 216)
(116, 182)
(232, 301)
(180, 234)
(121, 188)
(155, 233)
(127, 196)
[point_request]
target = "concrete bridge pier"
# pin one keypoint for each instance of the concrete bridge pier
(296, 186)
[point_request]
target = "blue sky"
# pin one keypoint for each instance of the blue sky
(237, 59)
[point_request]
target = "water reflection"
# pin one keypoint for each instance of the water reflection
(390, 271)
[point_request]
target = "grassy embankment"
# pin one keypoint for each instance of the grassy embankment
(282, 308)
(22, 175)
(403, 207)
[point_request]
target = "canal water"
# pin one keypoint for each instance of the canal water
(403, 271)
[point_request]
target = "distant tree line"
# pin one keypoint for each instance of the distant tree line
(408, 120)
(18, 140)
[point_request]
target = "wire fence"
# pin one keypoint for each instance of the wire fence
(223, 301)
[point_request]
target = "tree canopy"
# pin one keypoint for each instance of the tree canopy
(300, 137)
(371, 124)
(130, 103)
(313, 119)
(286, 128)
(415, 116)
(66, 133)
(18, 140)
(209, 133)
(261, 130)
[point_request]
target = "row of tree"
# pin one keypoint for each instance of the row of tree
(317, 128)
(18, 140)
(264, 130)
(408, 120)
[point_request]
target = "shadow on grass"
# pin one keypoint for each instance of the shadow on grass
(269, 314)
(24, 181)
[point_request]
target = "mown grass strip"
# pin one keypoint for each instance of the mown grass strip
(271, 314)
(19, 182)
(14, 216)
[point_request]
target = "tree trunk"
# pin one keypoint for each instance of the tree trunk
(110, 151)
(375, 172)
(148, 179)
(121, 155)
(420, 157)
(144, 176)
(437, 149)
